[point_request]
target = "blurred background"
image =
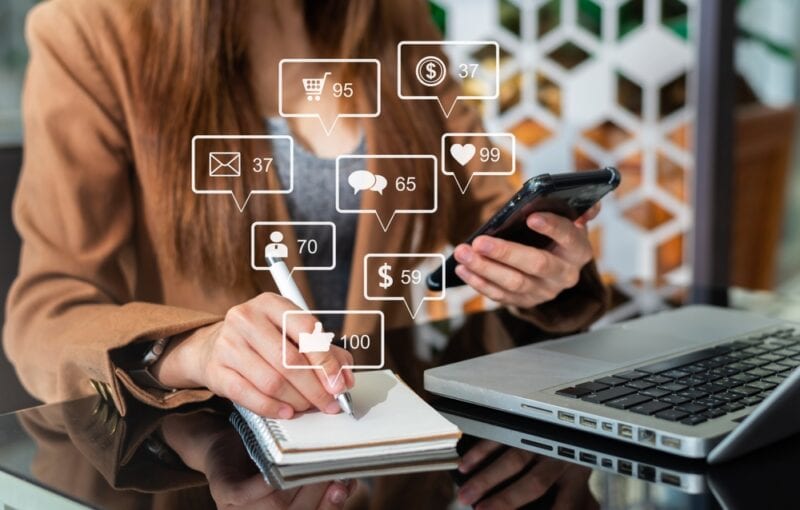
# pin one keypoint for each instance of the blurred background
(588, 83)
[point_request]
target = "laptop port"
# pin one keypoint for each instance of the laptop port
(566, 452)
(625, 467)
(568, 417)
(608, 427)
(588, 422)
(587, 457)
(671, 479)
(671, 442)
(647, 473)
(647, 436)
(607, 463)
(625, 431)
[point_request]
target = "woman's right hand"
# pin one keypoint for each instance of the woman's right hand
(241, 358)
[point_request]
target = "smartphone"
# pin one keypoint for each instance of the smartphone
(569, 195)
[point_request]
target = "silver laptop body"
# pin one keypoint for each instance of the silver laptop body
(525, 380)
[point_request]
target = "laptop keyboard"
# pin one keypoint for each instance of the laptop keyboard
(702, 385)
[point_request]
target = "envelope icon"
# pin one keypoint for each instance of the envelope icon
(224, 164)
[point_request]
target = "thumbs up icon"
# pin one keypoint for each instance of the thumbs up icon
(316, 341)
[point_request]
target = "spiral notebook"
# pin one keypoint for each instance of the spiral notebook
(389, 419)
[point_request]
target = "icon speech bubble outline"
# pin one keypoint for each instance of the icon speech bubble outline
(385, 226)
(464, 188)
(329, 130)
(405, 301)
(378, 184)
(430, 97)
(253, 256)
(317, 313)
(251, 192)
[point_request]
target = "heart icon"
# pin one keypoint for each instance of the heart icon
(462, 153)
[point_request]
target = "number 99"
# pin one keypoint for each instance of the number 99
(490, 154)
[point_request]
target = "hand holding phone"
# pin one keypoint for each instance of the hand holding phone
(521, 258)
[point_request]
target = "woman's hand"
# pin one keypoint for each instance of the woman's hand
(208, 444)
(533, 476)
(241, 359)
(517, 275)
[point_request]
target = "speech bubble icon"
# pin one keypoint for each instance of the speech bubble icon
(421, 71)
(365, 334)
(328, 94)
(380, 184)
(467, 155)
(302, 245)
(401, 277)
(361, 180)
(411, 173)
(240, 165)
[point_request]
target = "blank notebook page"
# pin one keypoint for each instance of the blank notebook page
(389, 417)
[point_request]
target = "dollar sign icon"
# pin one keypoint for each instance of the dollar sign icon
(431, 71)
(386, 279)
(431, 68)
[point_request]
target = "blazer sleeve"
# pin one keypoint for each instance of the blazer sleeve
(572, 310)
(72, 302)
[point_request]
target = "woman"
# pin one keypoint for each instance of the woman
(121, 260)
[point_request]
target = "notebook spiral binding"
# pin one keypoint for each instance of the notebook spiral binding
(258, 455)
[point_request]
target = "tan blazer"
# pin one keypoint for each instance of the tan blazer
(93, 275)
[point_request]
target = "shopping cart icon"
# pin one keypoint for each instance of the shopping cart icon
(314, 86)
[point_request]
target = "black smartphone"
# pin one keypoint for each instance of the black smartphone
(569, 195)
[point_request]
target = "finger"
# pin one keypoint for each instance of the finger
(264, 377)
(310, 496)
(530, 487)
(275, 308)
(507, 277)
(589, 215)
(507, 465)
(332, 363)
(346, 360)
(571, 241)
(235, 387)
(542, 291)
(528, 260)
(476, 454)
(253, 325)
(482, 285)
(574, 490)
(336, 495)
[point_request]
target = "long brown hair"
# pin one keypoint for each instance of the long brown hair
(196, 80)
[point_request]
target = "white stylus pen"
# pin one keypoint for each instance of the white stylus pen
(288, 289)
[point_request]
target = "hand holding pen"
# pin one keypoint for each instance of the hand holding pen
(240, 358)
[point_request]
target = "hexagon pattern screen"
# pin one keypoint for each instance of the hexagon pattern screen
(590, 83)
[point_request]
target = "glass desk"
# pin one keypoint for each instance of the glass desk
(82, 454)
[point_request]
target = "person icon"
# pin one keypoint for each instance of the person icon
(276, 249)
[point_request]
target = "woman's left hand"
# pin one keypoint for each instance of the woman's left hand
(517, 275)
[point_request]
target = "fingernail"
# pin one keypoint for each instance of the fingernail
(338, 495)
(467, 495)
(285, 412)
(485, 245)
(333, 407)
(536, 221)
(464, 467)
(338, 385)
(464, 253)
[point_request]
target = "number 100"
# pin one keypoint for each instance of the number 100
(353, 342)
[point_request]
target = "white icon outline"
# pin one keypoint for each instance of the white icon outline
(214, 157)
(431, 97)
(386, 226)
(251, 192)
(464, 188)
(317, 314)
(416, 310)
(253, 255)
(329, 130)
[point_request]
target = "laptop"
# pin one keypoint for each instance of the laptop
(764, 479)
(699, 381)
